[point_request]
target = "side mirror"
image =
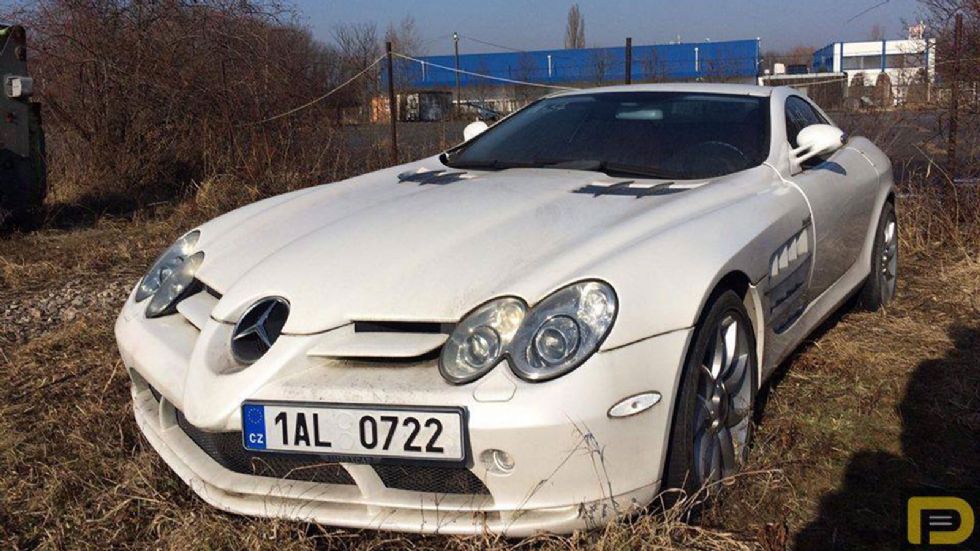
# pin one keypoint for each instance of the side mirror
(473, 130)
(818, 139)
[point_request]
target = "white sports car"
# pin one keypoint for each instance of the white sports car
(538, 330)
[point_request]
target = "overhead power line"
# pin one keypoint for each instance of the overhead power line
(491, 44)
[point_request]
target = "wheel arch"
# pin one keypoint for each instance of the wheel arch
(728, 280)
(738, 281)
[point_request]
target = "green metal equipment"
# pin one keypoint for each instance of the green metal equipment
(23, 173)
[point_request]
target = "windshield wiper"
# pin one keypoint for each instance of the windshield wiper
(494, 164)
(498, 164)
(606, 167)
(615, 169)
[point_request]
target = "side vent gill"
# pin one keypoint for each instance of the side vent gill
(789, 273)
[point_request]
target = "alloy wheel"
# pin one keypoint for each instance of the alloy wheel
(889, 261)
(724, 402)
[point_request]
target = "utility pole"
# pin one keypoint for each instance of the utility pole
(954, 98)
(459, 98)
(629, 60)
(391, 105)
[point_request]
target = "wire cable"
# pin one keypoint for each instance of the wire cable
(479, 75)
(314, 101)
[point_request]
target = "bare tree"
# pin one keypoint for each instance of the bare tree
(358, 46)
(357, 43)
(575, 28)
(653, 68)
(877, 32)
(960, 65)
(152, 101)
(405, 37)
(602, 62)
(482, 90)
(526, 69)
(800, 54)
(939, 18)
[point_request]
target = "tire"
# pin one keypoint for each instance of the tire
(692, 461)
(880, 287)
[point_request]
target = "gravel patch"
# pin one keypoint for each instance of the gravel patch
(29, 316)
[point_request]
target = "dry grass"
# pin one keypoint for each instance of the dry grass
(874, 404)
(871, 405)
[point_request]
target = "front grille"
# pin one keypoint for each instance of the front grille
(439, 480)
(226, 448)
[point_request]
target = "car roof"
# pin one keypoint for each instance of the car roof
(698, 87)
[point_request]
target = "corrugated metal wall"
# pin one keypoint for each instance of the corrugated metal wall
(687, 61)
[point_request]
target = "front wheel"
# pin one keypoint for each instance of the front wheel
(880, 287)
(712, 426)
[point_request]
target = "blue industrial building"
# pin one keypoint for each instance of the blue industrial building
(733, 60)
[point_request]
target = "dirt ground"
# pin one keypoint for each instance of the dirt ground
(873, 405)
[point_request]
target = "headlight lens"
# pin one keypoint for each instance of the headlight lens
(542, 343)
(170, 275)
(563, 330)
(479, 341)
(554, 342)
(173, 287)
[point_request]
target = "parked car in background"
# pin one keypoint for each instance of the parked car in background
(540, 329)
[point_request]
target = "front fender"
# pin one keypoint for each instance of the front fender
(664, 282)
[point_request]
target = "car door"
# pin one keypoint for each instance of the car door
(840, 189)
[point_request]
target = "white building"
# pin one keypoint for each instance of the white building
(902, 60)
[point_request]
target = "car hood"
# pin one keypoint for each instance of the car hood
(422, 242)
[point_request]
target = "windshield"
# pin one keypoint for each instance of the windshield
(675, 135)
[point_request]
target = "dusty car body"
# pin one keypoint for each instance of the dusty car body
(343, 307)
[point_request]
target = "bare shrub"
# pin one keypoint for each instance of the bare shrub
(145, 99)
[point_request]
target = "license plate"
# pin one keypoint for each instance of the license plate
(358, 431)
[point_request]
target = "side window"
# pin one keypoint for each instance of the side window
(817, 117)
(799, 115)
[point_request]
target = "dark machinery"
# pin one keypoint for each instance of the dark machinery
(23, 173)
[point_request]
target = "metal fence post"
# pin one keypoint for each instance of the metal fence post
(391, 105)
(629, 60)
(459, 99)
(954, 99)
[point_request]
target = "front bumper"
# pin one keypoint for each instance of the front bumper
(575, 467)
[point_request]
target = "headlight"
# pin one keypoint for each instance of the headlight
(563, 330)
(170, 276)
(551, 339)
(479, 341)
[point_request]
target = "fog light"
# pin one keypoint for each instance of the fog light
(497, 461)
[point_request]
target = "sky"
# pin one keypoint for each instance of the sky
(540, 24)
